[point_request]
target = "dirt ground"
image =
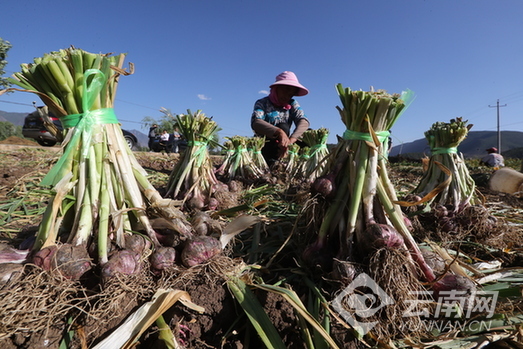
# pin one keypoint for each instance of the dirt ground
(23, 164)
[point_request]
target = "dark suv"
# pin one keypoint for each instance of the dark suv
(35, 128)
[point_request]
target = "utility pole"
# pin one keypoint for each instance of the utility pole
(497, 106)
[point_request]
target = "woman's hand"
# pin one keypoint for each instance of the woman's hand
(282, 138)
(283, 142)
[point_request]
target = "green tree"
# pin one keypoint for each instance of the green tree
(8, 129)
(4, 47)
(165, 122)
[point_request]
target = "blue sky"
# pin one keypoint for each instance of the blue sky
(458, 56)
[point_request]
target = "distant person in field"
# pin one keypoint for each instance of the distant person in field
(152, 135)
(176, 140)
(274, 115)
(493, 159)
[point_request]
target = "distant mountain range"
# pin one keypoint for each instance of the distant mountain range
(142, 137)
(15, 118)
(472, 147)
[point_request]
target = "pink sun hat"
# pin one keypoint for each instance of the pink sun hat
(289, 78)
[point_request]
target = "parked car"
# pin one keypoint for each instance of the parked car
(35, 128)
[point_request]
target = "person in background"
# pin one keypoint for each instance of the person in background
(152, 135)
(274, 115)
(493, 159)
(164, 137)
(176, 140)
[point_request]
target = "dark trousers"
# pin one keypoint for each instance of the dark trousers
(271, 151)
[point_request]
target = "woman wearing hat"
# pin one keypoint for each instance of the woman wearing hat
(493, 159)
(274, 115)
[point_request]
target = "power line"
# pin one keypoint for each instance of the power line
(16, 103)
(134, 122)
(139, 105)
(513, 98)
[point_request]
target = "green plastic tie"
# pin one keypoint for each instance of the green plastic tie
(199, 154)
(350, 135)
(81, 125)
(317, 147)
(452, 150)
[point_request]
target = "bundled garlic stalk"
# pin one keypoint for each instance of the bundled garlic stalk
(254, 146)
(301, 165)
(316, 163)
(292, 158)
(447, 180)
(192, 178)
(228, 152)
(362, 215)
(101, 192)
(239, 162)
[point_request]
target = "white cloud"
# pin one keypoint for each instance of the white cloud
(264, 92)
(204, 97)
